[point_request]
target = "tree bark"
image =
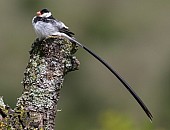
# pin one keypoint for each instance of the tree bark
(50, 60)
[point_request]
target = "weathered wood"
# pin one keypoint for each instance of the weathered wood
(50, 60)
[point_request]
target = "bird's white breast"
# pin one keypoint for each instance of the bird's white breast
(44, 30)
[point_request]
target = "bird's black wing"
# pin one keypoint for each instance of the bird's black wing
(66, 31)
(58, 24)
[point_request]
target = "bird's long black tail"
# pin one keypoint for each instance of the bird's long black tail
(128, 87)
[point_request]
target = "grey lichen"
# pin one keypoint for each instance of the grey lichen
(50, 60)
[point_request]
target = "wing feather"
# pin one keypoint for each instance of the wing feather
(66, 31)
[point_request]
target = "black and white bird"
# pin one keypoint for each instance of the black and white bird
(46, 25)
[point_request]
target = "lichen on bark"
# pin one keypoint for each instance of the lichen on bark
(50, 60)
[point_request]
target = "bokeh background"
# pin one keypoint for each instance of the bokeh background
(132, 35)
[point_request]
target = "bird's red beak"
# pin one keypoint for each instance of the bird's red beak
(38, 13)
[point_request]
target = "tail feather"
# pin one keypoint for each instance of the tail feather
(126, 85)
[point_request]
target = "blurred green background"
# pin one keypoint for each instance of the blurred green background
(132, 35)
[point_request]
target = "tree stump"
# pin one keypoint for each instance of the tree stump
(50, 60)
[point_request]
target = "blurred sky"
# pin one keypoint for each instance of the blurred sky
(132, 35)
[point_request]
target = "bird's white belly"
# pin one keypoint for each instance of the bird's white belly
(44, 30)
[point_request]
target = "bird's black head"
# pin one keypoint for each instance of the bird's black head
(44, 13)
